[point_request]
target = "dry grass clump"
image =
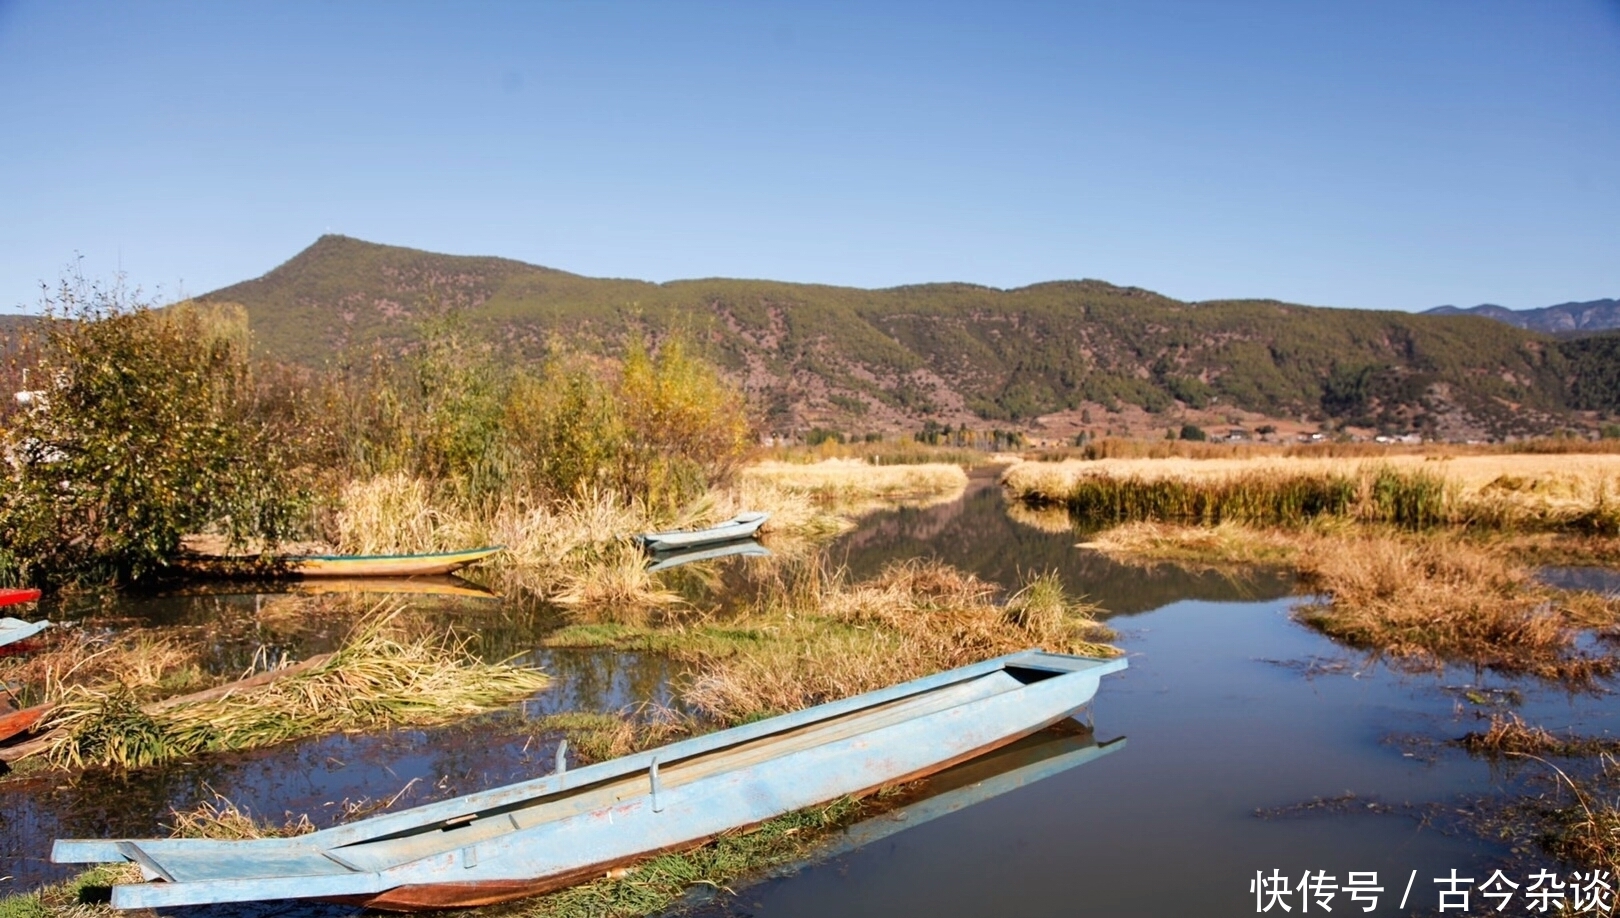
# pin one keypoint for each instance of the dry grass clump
(146, 665)
(822, 638)
(854, 486)
(1221, 545)
(373, 681)
(1433, 601)
(222, 819)
(1509, 735)
(596, 737)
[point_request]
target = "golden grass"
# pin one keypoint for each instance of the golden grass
(819, 637)
(144, 664)
(1222, 545)
(223, 819)
(1499, 491)
(373, 681)
(1430, 601)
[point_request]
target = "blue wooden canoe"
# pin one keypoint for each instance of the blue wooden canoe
(571, 826)
(741, 526)
(13, 630)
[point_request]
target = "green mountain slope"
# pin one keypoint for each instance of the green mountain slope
(874, 359)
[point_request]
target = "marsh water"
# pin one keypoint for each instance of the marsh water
(1253, 745)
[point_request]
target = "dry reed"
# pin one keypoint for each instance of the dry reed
(220, 818)
(1509, 735)
(372, 681)
(818, 637)
(1427, 602)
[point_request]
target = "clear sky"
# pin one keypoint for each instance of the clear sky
(1371, 154)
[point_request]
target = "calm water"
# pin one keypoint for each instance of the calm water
(1253, 744)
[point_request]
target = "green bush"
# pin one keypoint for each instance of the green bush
(1193, 432)
(145, 428)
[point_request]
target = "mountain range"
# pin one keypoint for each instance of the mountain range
(1062, 356)
(1563, 319)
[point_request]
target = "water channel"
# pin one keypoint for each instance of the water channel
(1253, 745)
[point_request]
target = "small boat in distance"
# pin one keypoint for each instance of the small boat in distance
(741, 526)
(551, 832)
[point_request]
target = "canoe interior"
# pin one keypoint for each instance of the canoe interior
(337, 862)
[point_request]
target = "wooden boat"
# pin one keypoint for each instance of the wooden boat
(663, 561)
(551, 832)
(10, 596)
(741, 526)
(13, 630)
(385, 565)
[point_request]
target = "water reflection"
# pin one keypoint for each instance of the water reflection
(982, 535)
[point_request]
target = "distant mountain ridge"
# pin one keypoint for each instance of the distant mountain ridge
(1060, 353)
(1565, 318)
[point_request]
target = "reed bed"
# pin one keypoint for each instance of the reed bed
(222, 819)
(372, 681)
(1498, 492)
(1428, 602)
(1219, 546)
(819, 637)
(144, 664)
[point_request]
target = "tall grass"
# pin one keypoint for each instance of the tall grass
(1413, 500)
(373, 680)
(1497, 493)
(818, 637)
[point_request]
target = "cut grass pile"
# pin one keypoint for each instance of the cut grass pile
(374, 680)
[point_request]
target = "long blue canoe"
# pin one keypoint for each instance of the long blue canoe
(571, 826)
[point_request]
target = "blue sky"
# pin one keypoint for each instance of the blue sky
(1384, 155)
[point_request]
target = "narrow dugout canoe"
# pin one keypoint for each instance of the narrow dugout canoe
(13, 630)
(741, 526)
(383, 565)
(551, 832)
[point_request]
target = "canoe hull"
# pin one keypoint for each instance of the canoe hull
(741, 526)
(11, 596)
(385, 565)
(552, 832)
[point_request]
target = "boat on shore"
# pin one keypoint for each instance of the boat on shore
(373, 566)
(13, 630)
(574, 825)
(10, 596)
(741, 526)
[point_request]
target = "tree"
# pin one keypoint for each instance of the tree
(143, 430)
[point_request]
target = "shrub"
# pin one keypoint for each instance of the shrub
(1193, 432)
(146, 430)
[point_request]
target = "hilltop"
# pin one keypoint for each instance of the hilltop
(1069, 354)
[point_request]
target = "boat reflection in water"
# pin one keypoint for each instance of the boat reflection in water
(1034, 758)
(748, 548)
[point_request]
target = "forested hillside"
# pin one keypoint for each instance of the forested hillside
(890, 359)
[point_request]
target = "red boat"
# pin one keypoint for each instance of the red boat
(10, 596)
